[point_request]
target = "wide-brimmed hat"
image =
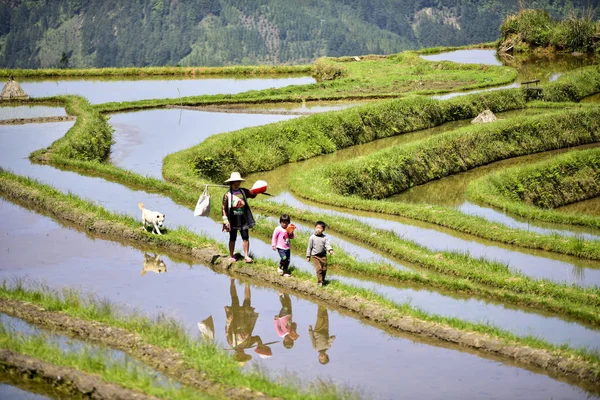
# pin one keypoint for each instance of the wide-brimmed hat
(235, 177)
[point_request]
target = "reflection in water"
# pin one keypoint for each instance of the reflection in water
(239, 327)
(319, 336)
(284, 326)
(153, 263)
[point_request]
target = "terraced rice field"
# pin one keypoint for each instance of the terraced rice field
(414, 307)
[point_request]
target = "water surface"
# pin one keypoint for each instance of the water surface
(359, 355)
(108, 90)
(144, 138)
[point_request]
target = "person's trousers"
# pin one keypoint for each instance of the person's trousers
(320, 267)
(284, 255)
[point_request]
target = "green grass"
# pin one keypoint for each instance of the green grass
(374, 77)
(395, 169)
(479, 277)
(534, 29)
(532, 191)
(89, 361)
(49, 199)
(157, 71)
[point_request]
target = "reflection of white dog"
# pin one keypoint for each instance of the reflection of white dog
(154, 264)
(153, 218)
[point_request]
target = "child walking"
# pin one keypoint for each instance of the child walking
(281, 242)
(318, 247)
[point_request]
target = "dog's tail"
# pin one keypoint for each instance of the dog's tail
(141, 206)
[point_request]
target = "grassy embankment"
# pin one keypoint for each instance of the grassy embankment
(267, 147)
(133, 72)
(374, 77)
(92, 362)
(535, 30)
(379, 175)
(362, 302)
(533, 191)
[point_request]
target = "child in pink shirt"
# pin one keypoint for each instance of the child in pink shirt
(281, 242)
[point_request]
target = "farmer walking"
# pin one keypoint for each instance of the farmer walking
(237, 215)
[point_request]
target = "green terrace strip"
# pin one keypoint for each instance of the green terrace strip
(364, 303)
(310, 186)
(533, 190)
(91, 362)
(392, 170)
(380, 239)
(395, 169)
(442, 277)
(157, 71)
(89, 139)
(453, 271)
(267, 147)
(497, 280)
(374, 77)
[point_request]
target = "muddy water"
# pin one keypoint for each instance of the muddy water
(358, 354)
(30, 112)
(591, 206)
(98, 90)
(143, 139)
(14, 388)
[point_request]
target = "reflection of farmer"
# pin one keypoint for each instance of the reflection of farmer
(237, 215)
(319, 337)
(240, 324)
(283, 322)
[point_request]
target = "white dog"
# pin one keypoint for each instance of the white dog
(153, 218)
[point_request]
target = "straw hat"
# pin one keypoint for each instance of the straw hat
(235, 177)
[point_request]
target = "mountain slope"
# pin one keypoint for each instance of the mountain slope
(80, 33)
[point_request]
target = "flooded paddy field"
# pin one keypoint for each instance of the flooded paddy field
(7, 113)
(359, 353)
(153, 123)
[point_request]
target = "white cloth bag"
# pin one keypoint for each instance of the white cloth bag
(203, 205)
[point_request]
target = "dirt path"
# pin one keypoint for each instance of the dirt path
(67, 379)
(37, 120)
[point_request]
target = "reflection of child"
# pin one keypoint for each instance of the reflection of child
(281, 242)
(318, 247)
(319, 337)
(283, 322)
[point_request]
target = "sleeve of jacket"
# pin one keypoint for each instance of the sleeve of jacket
(276, 233)
(310, 246)
(328, 245)
(248, 193)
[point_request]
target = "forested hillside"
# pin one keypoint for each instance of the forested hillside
(101, 33)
